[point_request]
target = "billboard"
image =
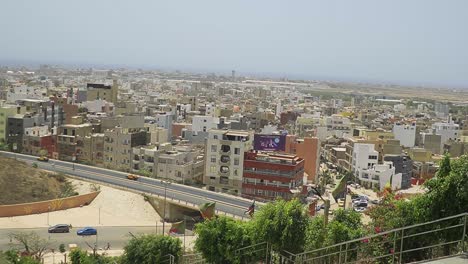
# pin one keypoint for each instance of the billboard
(270, 142)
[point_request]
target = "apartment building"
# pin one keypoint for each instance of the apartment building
(90, 149)
(405, 133)
(6, 112)
(96, 91)
(270, 175)
(184, 163)
(307, 148)
(224, 158)
(404, 165)
(204, 123)
(39, 141)
(68, 141)
(364, 156)
(118, 145)
(378, 176)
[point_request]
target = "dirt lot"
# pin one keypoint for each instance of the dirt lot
(21, 183)
(112, 207)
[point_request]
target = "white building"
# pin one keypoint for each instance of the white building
(364, 156)
(204, 123)
(224, 159)
(23, 92)
(378, 176)
(406, 134)
(447, 131)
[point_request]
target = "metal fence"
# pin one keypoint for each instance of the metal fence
(435, 239)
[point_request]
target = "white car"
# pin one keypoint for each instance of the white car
(359, 209)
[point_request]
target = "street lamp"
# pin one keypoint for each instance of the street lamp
(165, 183)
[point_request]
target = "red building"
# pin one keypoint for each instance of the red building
(270, 175)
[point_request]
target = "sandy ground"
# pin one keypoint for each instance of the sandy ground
(112, 207)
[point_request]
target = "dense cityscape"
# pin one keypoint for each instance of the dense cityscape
(234, 132)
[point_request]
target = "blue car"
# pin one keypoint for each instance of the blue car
(87, 231)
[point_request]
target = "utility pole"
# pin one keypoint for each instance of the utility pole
(165, 183)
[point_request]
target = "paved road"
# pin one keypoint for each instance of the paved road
(185, 194)
(117, 237)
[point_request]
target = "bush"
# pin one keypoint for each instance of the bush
(149, 249)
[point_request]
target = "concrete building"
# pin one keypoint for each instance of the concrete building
(23, 92)
(224, 159)
(406, 134)
(68, 141)
(378, 176)
(271, 175)
(6, 112)
(184, 164)
(90, 149)
(204, 123)
(404, 165)
(96, 91)
(165, 120)
(364, 156)
(118, 145)
(447, 131)
(157, 134)
(307, 148)
(432, 143)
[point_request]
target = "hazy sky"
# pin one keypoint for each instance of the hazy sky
(402, 41)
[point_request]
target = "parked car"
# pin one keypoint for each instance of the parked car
(359, 209)
(361, 203)
(87, 231)
(132, 177)
(375, 201)
(61, 228)
(43, 158)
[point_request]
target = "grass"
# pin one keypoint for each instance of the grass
(21, 183)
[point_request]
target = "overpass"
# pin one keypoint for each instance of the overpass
(177, 193)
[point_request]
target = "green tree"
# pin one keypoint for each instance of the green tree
(444, 166)
(220, 237)
(78, 256)
(282, 224)
(150, 248)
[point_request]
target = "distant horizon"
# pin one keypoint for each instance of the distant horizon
(264, 75)
(418, 43)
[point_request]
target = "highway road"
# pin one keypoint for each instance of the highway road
(117, 237)
(232, 205)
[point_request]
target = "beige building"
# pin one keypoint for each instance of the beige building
(118, 144)
(184, 164)
(157, 134)
(67, 139)
(95, 91)
(224, 159)
(90, 149)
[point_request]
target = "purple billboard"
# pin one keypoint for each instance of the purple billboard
(270, 142)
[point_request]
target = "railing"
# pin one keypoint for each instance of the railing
(195, 258)
(421, 242)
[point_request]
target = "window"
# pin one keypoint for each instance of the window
(73, 132)
(237, 151)
(213, 169)
(236, 161)
(215, 137)
(213, 159)
(213, 148)
(65, 132)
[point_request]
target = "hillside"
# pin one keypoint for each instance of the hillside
(21, 183)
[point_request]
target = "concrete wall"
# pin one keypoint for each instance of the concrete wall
(43, 207)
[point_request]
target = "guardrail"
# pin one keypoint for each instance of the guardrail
(421, 242)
